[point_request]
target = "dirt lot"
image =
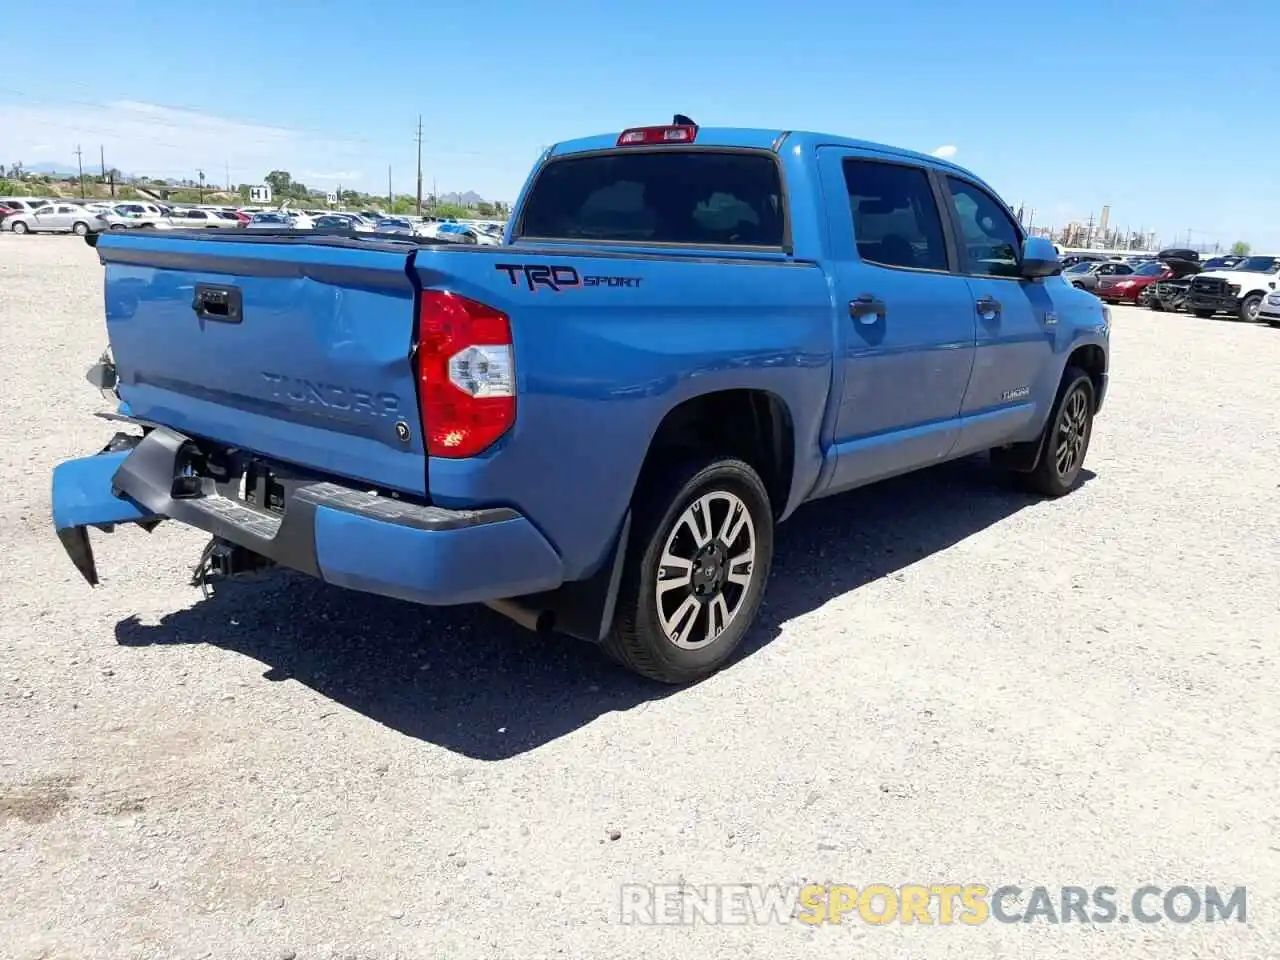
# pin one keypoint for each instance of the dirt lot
(952, 682)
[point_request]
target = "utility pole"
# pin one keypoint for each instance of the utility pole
(1088, 236)
(419, 164)
(80, 165)
(201, 173)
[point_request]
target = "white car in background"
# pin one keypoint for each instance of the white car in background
(204, 219)
(57, 218)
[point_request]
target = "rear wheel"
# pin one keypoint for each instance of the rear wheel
(1066, 438)
(19, 227)
(1250, 307)
(695, 572)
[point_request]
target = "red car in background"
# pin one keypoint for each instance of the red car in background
(1134, 287)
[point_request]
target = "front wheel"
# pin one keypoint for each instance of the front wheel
(695, 572)
(1066, 438)
(1250, 307)
(80, 228)
(1144, 297)
(19, 227)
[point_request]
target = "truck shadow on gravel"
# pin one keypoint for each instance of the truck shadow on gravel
(468, 680)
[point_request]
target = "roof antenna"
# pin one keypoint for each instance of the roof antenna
(682, 121)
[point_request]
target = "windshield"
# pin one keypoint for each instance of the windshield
(1150, 270)
(687, 197)
(1257, 265)
(1083, 267)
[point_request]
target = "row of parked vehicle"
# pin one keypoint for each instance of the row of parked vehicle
(41, 215)
(1243, 286)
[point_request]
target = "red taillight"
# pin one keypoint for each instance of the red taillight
(679, 133)
(466, 374)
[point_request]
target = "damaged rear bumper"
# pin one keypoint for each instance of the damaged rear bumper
(84, 497)
(344, 535)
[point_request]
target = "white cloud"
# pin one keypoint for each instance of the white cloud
(946, 151)
(344, 175)
(152, 139)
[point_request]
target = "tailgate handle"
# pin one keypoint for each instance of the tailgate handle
(221, 303)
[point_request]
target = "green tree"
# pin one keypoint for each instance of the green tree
(280, 182)
(1240, 248)
(455, 210)
(486, 209)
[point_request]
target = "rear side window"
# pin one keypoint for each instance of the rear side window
(895, 217)
(686, 197)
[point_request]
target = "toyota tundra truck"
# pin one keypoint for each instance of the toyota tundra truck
(594, 427)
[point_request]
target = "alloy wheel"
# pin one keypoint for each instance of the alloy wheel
(705, 570)
(1073, 431)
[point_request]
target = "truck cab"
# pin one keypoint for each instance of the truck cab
(594, 427)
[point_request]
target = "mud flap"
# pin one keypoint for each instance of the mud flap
(84, 497)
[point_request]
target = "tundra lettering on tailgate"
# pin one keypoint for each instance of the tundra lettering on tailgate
(559, 278)
(332, 396)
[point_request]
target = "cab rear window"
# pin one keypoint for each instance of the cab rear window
(699, 197)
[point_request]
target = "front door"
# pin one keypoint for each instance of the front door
(905, 321)
(1017, 323)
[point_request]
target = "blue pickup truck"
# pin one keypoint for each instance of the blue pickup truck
(593, 428)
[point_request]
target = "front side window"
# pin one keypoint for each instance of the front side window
(1150, 270)
(988, 233)
(698, 197)
(895, 217)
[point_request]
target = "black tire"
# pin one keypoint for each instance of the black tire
(1203, 314)
(1143, 299)
(1249, 307)
(1156, 305)
(79, 228)
(19, 227)
(117, 226)
(1048, 478)
(638, 639)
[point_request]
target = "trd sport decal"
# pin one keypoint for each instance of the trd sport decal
(558, 279)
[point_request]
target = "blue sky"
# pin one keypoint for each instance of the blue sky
(1177, 136)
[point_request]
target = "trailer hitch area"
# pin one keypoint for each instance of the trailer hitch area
(221, 560)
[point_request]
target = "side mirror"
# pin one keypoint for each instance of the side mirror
(1039, 259)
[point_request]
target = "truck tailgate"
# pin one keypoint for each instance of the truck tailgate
(289, 347)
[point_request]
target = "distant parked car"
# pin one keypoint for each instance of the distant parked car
(57, 218)
(204, 220)
(14, 205)
(342, 221)
(1085, 276)
(279, 220)
(397, 226)
(1135, 288)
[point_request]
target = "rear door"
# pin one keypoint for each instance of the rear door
(1017, 319)
(905, 321)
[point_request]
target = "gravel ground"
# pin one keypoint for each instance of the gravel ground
(951, 683)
